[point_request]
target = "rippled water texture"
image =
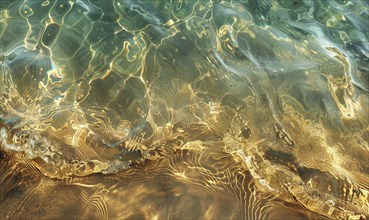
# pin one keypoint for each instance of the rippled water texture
(184, 109)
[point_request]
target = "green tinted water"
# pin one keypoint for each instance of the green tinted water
(265, 100)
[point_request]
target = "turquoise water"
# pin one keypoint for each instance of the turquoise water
(262, 104)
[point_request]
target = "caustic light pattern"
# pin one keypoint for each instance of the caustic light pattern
(184, 109)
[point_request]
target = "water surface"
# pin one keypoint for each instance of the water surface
(184, 109)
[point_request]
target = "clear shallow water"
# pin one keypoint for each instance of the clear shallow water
(188, 109)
